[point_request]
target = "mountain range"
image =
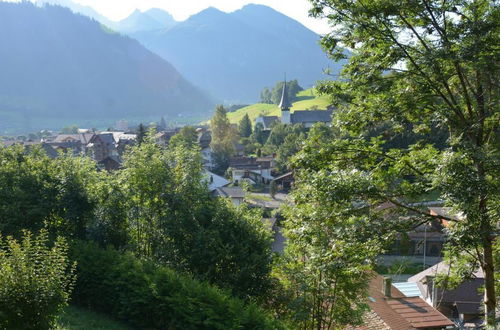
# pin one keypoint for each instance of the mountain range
(60, 68)
(235, 55)
(231, 55)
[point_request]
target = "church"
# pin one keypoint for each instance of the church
(305, 117)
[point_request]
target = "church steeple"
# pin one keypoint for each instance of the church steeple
(285, 103)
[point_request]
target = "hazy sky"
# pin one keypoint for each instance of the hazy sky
(182, 9)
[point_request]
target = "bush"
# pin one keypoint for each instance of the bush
(35, 282)
(153, 297)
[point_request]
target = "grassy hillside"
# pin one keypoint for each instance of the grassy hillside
(307, 99)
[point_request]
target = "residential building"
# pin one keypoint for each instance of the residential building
(102, 146)
(251, 169)
(236, 194)
(463, 304)
(390, 309)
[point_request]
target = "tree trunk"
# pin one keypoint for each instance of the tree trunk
(489, 281)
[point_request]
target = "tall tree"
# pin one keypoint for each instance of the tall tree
(223, 139)
(266, 96)
(141, 133)
(422, 63)
(245, 126)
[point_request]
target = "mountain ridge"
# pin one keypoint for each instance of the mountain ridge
(74, 69)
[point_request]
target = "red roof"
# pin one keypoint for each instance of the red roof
(400, 312)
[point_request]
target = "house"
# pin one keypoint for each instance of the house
(251, 169)
(423, 245)
(305, 117)
(463, 304)
(214, 181)
(267, 121)
(284, 182)
(163, 138)
(110, 163)
(236, 194)
(84, 138)
(391, 309)
(74, 143)
(102, 146)
(70, 147)
(47, 148)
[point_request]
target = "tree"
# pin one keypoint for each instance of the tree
(39, 192)
(141, 133)
(293, 88)
(266, 96)
(258, 134)
(273, 189)
(173, 219)
(425, 63)
(69, 130)
(35, 280)
(245, 126)
(223, 139)
(187, 136)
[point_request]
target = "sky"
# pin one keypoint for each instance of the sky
(182, 9)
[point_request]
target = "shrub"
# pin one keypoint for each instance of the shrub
(154, 297)
(35, 281)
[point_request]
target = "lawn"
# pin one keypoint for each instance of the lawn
(76, 318)
(307, 99)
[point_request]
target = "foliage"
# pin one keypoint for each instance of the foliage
(38, 192)
(428, 64)
(273, 189)
(152, 297)
(285, 141)
(274, 96)
(173, 219)
(223, 139)
(35, 281)
(187, 136)
(69, 130)
(258, 134)
(75, 318)
(245, 127)
(329, 251)
(266, 96)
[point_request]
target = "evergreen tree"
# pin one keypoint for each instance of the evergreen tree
(141, 133)
(245, 127)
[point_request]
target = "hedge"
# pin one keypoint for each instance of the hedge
(154, 297)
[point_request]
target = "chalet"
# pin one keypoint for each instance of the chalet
(102, 146)
(390, 309)
(463, 304)
(305, 117)
(254, 170)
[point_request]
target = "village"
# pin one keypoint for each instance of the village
(408, 267)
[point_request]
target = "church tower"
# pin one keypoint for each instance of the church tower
(285, 106)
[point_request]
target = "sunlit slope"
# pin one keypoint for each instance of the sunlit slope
(308, 99)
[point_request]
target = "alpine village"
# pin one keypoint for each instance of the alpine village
(298, 164)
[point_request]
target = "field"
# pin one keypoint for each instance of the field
(307, 99)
